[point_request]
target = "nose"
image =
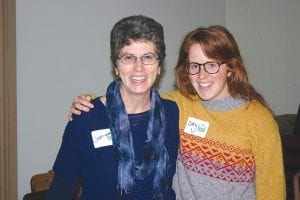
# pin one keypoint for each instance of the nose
(138, 65)
(202, 73)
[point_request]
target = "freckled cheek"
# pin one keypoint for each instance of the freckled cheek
(192, 79)
(221, 78)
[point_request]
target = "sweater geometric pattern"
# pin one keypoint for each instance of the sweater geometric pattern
(238, 158)
(217, 160)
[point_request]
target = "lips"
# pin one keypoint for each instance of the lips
(205, 84)
(138, 78)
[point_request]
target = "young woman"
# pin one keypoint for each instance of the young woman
(126, 147)
(230, 146)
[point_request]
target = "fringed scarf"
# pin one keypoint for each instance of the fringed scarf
(155, 155)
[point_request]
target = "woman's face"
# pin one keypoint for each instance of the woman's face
(137, 78)
(208, 86)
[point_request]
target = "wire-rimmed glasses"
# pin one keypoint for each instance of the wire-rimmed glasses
(146, 59)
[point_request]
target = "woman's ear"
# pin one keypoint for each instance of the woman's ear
(116, 72)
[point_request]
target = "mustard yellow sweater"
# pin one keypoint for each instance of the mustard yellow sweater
(232, 154)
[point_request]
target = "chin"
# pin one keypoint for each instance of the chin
(205, 97)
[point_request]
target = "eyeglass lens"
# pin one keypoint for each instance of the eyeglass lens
(147, 59)
(209, 67)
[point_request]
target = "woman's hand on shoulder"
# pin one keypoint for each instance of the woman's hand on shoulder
(81, 103)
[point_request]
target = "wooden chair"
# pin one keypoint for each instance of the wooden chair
(296, 184)
(40, 183)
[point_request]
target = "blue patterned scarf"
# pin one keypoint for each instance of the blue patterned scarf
(155, 155)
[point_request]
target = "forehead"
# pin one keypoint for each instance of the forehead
(138, 48)
(196, 54)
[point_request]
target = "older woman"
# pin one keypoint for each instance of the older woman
(126, 147)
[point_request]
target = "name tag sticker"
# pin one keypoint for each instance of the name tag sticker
(101, 138)
(196, 127)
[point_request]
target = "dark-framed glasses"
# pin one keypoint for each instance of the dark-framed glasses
(146, 59)
(210, 67)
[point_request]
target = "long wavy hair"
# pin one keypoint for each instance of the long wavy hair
(217, 43)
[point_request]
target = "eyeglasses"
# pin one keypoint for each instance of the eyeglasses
(210, 67)
(146, 59)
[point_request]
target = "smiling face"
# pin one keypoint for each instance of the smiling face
(137, 78)
(208, 86)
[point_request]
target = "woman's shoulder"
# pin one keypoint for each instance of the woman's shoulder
(258, 113)
(98, 110)
(171, 109)
(169, 104)
(173, 95)
(95, 119)
(180, 99)
(259, 109)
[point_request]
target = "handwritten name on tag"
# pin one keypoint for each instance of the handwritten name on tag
(101, 138)
(196, 127)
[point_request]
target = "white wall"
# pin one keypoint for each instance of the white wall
(268, 35)
(63, 51)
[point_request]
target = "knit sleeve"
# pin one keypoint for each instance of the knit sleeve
(270, 180)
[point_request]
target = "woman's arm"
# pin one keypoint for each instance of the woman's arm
(81, 103)
(270, 179)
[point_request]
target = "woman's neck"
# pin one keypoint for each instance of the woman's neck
(133, 103)
(136, 103)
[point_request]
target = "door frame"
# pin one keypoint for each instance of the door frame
(8, 101)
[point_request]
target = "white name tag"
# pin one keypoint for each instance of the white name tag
(101, 138)
(196, 127)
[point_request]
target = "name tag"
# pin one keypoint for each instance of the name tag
(101, 138)
(196, 127)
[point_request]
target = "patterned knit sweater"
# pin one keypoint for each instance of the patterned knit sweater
(231, 154)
